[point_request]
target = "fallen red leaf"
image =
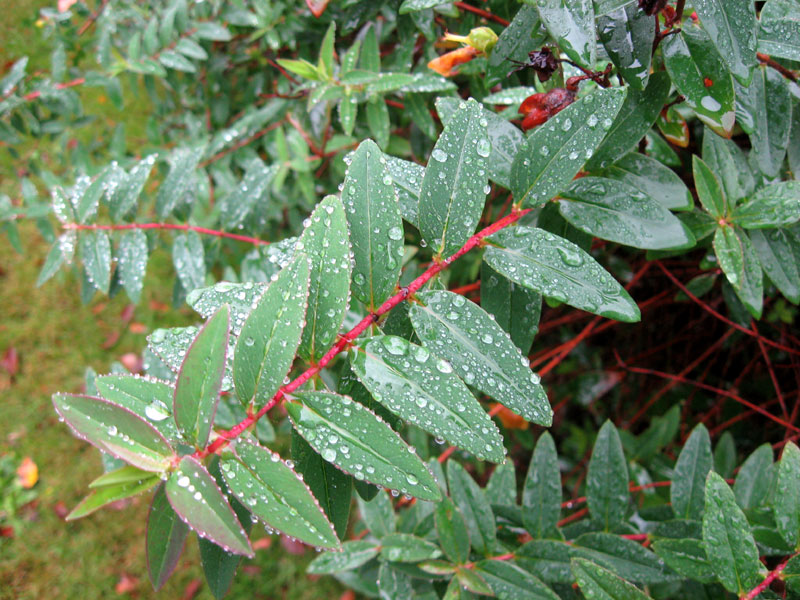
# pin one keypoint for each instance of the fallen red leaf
(262, 544)
(7, 531)
(191, 589)
(10, 361)
(293, 546)
(126, 584)
(112, 339)
(61, 510)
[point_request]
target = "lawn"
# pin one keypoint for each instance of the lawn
(102, 555)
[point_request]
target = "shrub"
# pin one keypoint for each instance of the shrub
(351, 342)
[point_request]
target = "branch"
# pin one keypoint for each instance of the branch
(346, 340)
(766, 60)
(59, 86)
(171, 226)
(94, 16)
(771, 576)
(482, 13)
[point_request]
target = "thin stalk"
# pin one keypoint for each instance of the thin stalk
(170, 226)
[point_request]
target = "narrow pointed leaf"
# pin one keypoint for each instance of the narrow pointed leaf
(739, 262)
(502, 485)
(452, 531)
(728, 540)
(115, 430)
(687, 491)
(774, 250)
(240, 298)
(376, 230)
(539, 260)
(541, 495)
(475, 508)
(516, 308)
(709, 191)
(124, 474)
(601, 584)
(111, 493)
(648, 175)
(123, 198)
(96, 256)
(166, 535)
(627, 558)
(412, 383)
(407, 179)
(132, 262)
(523, 34)
(727, 161)
(627, 35)
(188, 256)
(326, 244)
(732, 27)
(243, 199)
(755, 478)
(180, 180)
(553, 154)
(774, 205)
(692, 61)
(613, 210)
(273, 492)
(547, 559)
(508, 581)
(571, 24)
(194, 495)
(352, 556)
(687, 557)
(778, 35)
(378, 514)
(607, 480)
(463, 334)
(787, 495)
(394, 583)
(357, 441)
(404, 547)
(330, 486)
(269, 338)
(200, 379)
(452, 194)
(634, 119)
(150, 399)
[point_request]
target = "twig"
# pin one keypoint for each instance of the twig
(767, 60)
(771, 576)
(171, 226)
(92, 18)
(481, 13)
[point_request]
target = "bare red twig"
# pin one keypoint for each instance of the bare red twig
(767, 60)
(92, 18)
(481, 13)
(59, 86)
(242, 143)
(346, 340)
(171, 226)
(771, 576)
(771, 371)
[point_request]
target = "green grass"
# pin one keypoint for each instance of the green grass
(57, 338)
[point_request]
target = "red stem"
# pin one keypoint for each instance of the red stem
(173, 226)
(346, 340)
(59, 86)
(772, 376)
(482, 13)
(771, 576)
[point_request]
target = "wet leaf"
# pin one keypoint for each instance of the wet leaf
(732, 27)
(787, 495)
(404, 547)
(473, 505)
(541, 496)
(149, 399)
(132, 257)
(352, 556)
(601, 584)
(508, 581)
(571, 24)
(107, 494)
(627, 35)
(776, 255)
(687, 557)
(648, 175)
(739, 262)
(778, 35)
(166, 535)
(452, 531)
(774, 205)
(607, 479)
(96, 255)
(687, 491)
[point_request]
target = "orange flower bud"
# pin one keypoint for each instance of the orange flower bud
(446, 64)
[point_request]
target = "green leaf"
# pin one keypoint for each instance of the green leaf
(509, 582)
(325, 63)
(452, 194)
(378, 514)
(149, 399)
(452, 531)
(200, 380)
(417, 108)
(725, 455)
(516, 309)
(607, 480)
(553, 155)
(774, 205)
(541, 495)
(774, 250)
(132, 257)
(404, 547)
(627, 34)
(613, 210)
(409, 6)
(505, 138)
(353, 438)
(55, 258)
(732, 27)
(111, 493)
(274, 493)
(394, 583)
(728, 541)
(764, 106)
(332, 488)
(90, 199)
(558, 269)
(692, 61)
(778, 35)
(166, 535)
(463, 334)
(326, 243)
(376, 231)
(739, 262)
(407, 178)
(210, 30)
(115, 430)
(266, 346)
(571, 24)
(787, 495)
(352, 556)
(188, 257)
(422, 389)
(96, 256)
(240, 298)
(687, 557)
(378, 120)
(522, 35)
(637, 115)
(178, 62)
(648, 175)
(348, 109)
(241, 202)
(627, 558)
(546, 559)
(709, 191)
(601, 584)
(123, 198)
(301, 67)
(472, 502)
(687, 491)
(370, 51)
(754, 480)
(180, 181)
(727, 161)
(195, 496)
